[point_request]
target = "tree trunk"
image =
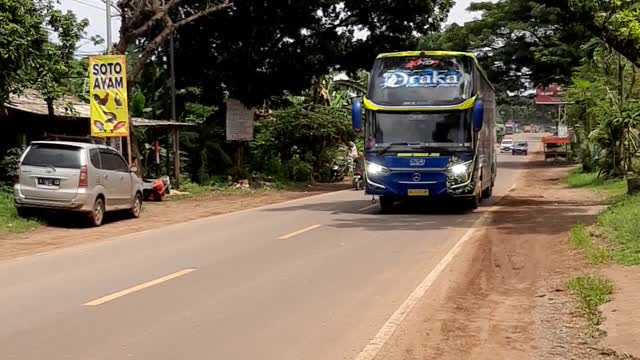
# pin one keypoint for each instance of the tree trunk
(50, 109)
(633, 185)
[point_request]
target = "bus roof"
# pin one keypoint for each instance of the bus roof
(439, 53)
(424, 52)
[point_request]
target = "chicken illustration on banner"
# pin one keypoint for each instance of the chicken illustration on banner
(108, 96)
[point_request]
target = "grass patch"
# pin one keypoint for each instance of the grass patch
(581, 239)
(194, 190)
(10, 222)
(619, 224)
(591, 291)
(613, 187)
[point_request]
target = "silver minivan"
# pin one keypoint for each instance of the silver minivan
(89, 178)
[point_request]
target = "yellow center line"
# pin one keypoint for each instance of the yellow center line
(130, 290)
(290, 235)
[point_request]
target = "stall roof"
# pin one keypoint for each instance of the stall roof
(31, 101)
(555, 140)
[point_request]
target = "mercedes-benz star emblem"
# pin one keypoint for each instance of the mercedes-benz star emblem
(416, 177)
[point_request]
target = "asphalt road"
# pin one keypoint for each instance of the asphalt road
(310, 279)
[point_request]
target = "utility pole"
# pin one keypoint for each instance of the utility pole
(172, 72)
(175, 132)
(109, 40)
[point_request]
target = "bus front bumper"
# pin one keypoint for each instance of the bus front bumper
(433, 185)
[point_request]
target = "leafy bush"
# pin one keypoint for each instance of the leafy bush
(9, 167)
(305, 138)
(590, 155)
(10, 222)
(300, 171)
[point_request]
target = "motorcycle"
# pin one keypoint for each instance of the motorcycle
(339, 169)
(156, 189)
(358, 174)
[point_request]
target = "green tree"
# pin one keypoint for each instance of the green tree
(617, 23)
(217, 51)
(520, 43)
(22, 39)
(55, 64)
(605, 110)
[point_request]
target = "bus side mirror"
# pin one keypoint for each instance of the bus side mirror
(477, 112)
(356, 115)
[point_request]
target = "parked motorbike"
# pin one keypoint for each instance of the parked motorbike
(339, 169)
(358, 173)
(156, 189)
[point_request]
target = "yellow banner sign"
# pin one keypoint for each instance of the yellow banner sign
(108, 95)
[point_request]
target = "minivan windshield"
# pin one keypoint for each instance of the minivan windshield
(56, 155)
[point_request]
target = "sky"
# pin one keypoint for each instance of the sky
(93, 10)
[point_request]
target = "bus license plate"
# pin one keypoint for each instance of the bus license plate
(418, 192)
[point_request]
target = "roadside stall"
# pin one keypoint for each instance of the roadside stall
(555, 148)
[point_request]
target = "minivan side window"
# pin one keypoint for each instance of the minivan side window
(112, 161)
(94, 156)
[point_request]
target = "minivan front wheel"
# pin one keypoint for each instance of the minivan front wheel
(97, 214)
(136, 208)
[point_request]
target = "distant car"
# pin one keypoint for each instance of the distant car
(79, 177)
(520, 148)
(505, 145)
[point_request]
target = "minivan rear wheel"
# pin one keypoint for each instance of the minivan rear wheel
(97, 214)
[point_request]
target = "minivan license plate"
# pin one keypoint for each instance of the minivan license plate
(418, 192)
(48, 182)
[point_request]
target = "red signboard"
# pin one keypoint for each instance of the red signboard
(548, 95)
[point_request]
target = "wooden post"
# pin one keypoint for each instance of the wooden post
(176, 156)
(129, 157)
(238, 154)
(168, 152)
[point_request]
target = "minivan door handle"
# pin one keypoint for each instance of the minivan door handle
(106, 177)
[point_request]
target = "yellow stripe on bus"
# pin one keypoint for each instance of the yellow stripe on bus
(370, 105)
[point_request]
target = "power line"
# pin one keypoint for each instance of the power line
(89, 5)
(99, 7)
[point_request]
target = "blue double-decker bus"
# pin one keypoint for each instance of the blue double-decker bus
(429, 128)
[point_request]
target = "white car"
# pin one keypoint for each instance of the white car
(506, 145)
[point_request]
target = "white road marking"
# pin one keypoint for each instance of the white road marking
(290, 235)
(368, 207)
(130, 290)
(375, 345)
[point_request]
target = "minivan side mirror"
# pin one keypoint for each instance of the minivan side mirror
(133, 169)
(356, 115)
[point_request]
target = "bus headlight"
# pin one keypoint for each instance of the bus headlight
(375, 169)
(460, 169)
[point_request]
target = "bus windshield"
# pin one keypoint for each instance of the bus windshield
(421, 81)
(437, 129)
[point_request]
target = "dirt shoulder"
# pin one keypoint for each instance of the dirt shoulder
(62, 232)
(505, 295)
(621, 318)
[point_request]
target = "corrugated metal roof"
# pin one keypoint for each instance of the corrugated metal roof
(31, 101)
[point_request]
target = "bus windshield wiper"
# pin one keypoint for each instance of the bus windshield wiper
(390, 145)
